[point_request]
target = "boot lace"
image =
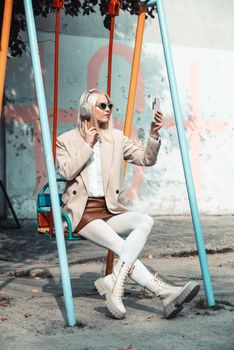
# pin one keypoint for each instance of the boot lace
(121, 281)
(163, 284)
(130, 271)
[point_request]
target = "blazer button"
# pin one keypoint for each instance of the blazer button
(74, 192)
(117, 191)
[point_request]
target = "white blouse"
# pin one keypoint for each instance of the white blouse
(95, 182)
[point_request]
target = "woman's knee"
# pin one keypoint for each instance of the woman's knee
(146, 223)
(150, 221)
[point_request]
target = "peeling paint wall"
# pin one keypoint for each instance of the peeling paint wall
(2, 168)
(206, 83)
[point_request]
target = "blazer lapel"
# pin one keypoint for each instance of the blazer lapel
(85, 177)
(106, 161)
(77, 144)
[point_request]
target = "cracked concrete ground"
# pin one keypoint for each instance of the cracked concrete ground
(32, 312)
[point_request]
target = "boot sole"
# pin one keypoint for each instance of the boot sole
(115, 312)
(175, 306)
(102, 290)
(100, 286)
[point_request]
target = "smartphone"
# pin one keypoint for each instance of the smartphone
(156, 104)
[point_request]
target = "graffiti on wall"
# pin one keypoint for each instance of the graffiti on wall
(194, 123)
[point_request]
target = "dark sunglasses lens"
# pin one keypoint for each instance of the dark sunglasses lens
(103, 106)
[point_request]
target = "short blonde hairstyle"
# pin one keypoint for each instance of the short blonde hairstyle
(91, 97)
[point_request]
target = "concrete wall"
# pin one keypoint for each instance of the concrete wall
(2, 167)
(203, 56)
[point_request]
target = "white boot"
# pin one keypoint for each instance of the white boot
(105, 285)
(112, 286)
(172, 297)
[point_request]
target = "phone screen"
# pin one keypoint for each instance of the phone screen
(156, 104)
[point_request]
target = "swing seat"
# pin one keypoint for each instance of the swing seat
(43, 214)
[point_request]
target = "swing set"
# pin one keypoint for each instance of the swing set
(44, 212)
(49, 204)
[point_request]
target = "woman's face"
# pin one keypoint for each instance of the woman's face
(102, 110)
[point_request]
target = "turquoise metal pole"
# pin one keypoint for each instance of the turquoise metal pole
(66, 282)
(184, 152)
(185, 155)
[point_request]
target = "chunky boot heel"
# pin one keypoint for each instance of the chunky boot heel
(171, 310)
(112, 286)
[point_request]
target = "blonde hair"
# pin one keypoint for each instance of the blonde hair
(91, 97)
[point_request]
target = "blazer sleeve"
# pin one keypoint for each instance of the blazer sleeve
(140, 155)
(71, 160)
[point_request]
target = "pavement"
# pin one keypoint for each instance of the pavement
(32, 310)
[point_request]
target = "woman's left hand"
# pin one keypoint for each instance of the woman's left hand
(156, 124)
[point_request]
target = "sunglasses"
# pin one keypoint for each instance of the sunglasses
(103, 106)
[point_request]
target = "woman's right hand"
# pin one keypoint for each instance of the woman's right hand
(91, 134)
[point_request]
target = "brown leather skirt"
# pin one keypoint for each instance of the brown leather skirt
(95, 209)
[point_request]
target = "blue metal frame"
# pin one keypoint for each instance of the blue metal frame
(66, 282)
(51, 171)
(184, 150)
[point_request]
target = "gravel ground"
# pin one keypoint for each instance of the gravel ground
(32, 311)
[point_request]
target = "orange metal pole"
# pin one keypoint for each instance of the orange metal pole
(110, 254)
(114, 6)
(58, 4)
(131, 97)
(134, 74)
(135, 71)
(113, 11)
(6, 26)
(55, 118)
(110, 54)
(56, 72)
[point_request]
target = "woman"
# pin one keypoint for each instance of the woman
(90, 158)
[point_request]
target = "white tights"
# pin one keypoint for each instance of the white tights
(106, 234)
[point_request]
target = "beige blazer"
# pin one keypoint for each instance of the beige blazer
(72, 155)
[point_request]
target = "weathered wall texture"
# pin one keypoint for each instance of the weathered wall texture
(2, 167)
(206, 83)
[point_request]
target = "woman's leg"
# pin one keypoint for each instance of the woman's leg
(99, 232)
(108, 237)
(104, 233)
(122, 223)
(138, 226)
(172, 297)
